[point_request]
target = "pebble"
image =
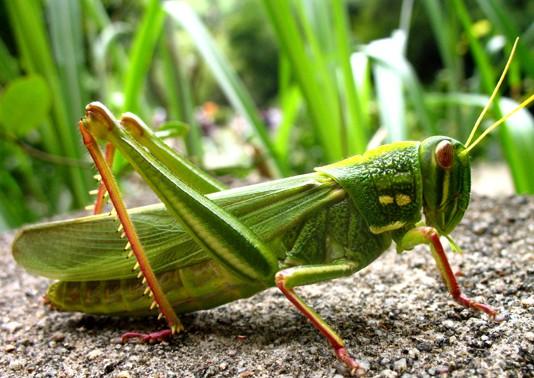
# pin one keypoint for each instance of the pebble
(442, 369)
(232, 352)
(11, 326)
(480, 228)
(9, 348)
(123, 374)
(58, 336)
(424, 346)
(449, 324)
(528, 302)
(400, 365)
(17, 364)
(388, 374)
(94, 354)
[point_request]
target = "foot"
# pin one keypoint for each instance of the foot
(354, 367)
(469, 303)
(156, 336)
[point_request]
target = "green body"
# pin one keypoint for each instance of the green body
(348, 211)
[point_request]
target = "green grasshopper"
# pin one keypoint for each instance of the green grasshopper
(205, 246)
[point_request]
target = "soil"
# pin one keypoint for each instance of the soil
(395, 317)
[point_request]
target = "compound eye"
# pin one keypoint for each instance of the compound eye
(444, 154)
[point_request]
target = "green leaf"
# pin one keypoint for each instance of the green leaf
(24, 104)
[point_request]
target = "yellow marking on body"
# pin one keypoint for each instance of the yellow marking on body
(367, 155)
(402, 199)
(388, 227)
(385, 200)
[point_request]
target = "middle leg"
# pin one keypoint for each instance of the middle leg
(289, 278)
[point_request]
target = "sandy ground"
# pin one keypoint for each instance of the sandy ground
(395, 317)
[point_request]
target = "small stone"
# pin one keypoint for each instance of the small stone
(480, 228)
(58, 336)
(123, 374)
(400, 365)
(413, 353)
(223, 365)
(529, 336)
(11, 326)
(424, 346)
(9, 348)
(449, 324)
(94, 354)
(442, 369)
(246, 374)
(17, 364)
(42, 323)
(388, 374)
(364, 364)
(232, 352)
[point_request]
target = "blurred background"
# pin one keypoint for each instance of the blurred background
(256, 89)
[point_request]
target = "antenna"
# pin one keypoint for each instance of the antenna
(497, 87)
(498, 123)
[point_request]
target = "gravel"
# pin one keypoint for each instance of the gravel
(395, 316)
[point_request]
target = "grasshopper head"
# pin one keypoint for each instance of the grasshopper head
(446, 170)
(446, 174)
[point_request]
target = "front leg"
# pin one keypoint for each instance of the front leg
(289, 278)
(429, 235)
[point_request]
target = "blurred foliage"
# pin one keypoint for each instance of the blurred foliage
(275, 87)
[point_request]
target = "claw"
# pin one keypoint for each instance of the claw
(156, 336)
(355, 368)
(469, 303)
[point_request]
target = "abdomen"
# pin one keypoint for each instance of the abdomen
(195, 287)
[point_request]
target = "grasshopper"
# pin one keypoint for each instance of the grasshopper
(205, 246)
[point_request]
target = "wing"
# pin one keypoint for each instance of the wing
(90, 248)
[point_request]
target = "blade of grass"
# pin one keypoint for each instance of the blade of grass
(141, 53)
(355, 124)
(26, 20)
(392, 73)
(389, 92)
(103, 47)
(361, 72)
(498, 14)
(65, 24)
(318, 37)
(290, 104)
(178, 93)
(9, 68)
(445, 32)
(233, 88)
(519, 165)
(310, 75)
(102, 35)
